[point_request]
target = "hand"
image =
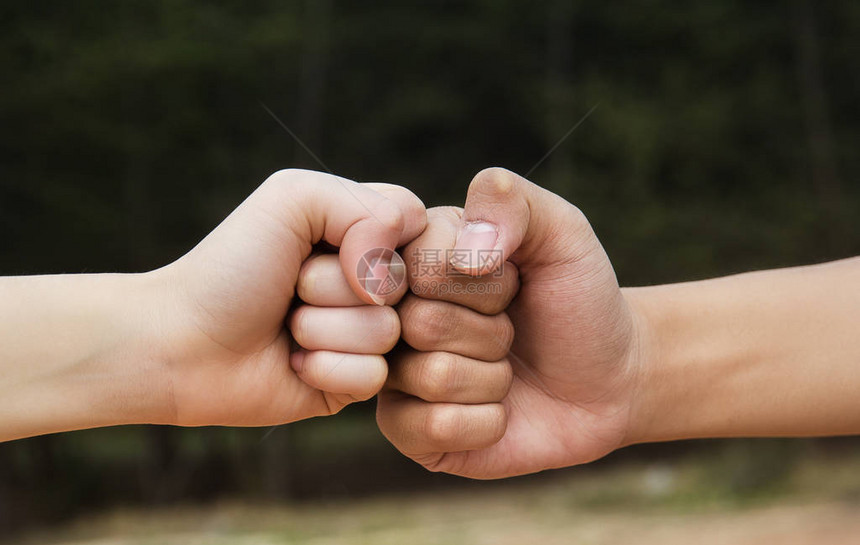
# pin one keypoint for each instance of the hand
(574, 353)
(222, 307)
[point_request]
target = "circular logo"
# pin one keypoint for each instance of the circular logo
(381, 271)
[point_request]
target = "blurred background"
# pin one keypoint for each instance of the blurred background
(721, 138)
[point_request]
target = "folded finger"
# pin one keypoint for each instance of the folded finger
(431, 274)
(367, 329)
(446, 377)
(417, 427)
(358, 376)
(439, 326)
(322, 283)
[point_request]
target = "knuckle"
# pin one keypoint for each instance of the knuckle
(293, 183)
(440, 424)
(388, 214)
(493, 181)
(438, 377)
(426, 324)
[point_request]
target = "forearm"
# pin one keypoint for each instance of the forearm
(773, 353)
(73, 353)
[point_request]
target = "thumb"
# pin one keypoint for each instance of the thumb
(244, 273)
(506, 217)
(364, 223)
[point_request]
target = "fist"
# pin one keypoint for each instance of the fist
(549, 382)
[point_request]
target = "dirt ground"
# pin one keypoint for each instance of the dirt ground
(644, 505)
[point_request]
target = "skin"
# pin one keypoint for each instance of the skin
(543, 363)
(206, 340)
(592, 367)
(571, 350)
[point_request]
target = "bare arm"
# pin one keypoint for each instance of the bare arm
(759, 354)
(75, 353)
(210, 339)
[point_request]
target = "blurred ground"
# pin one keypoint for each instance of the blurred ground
(818, 502)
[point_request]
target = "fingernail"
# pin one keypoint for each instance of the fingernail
(377, 300)
(297, 361)
(475, 238)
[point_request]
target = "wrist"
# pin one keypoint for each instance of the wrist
(682, 363)
(138, 352)
(121, 376)
(708, 363)
(644, 352)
